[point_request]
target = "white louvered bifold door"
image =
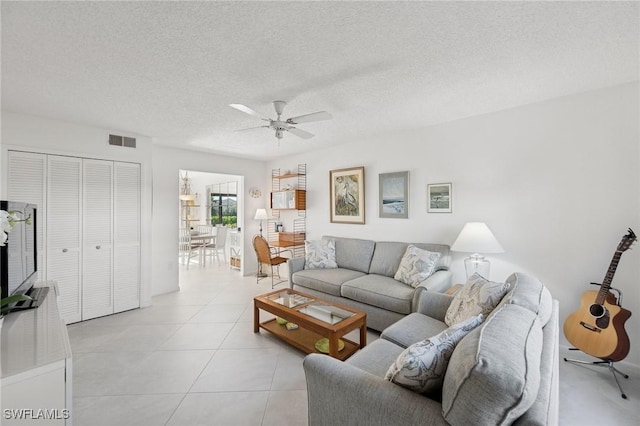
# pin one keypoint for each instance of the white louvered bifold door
(27, 180)
(97, 218)
(64, 226)
(126, 236)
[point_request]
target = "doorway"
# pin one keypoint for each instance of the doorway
(209, 202)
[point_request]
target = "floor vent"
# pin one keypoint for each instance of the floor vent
(118, 140)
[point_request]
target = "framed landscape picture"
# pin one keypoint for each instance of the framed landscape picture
(439, 198)
(394, 195)
(346, 189)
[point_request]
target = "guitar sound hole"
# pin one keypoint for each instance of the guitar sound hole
(596, 310)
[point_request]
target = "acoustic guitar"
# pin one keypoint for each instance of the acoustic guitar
(597, 327)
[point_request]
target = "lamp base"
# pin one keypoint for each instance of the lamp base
(476, 263)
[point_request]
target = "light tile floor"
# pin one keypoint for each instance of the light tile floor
(192, 358)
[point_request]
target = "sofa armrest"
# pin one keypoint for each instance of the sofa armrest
(433, 304)
(438, 282)
(294, 265)
(342, 394)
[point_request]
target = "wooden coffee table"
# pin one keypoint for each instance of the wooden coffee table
(291, 305)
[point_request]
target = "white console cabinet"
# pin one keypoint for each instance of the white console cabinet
(36, 367)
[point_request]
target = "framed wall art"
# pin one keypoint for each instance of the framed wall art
(394, 195)
(346, 193)
(439, 198)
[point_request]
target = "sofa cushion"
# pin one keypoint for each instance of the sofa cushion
(412, 328)
(416, 265)
(325, 280)
(477, 296)
(529, 293)
(376, 357)
(387, 256)
(383, 292)
(421, 367)
(494, 372)
(352, 253)
(320, 254)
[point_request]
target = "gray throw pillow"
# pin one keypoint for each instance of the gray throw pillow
(422, 366)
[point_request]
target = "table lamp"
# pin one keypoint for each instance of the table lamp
(261, 214)
(476, 238)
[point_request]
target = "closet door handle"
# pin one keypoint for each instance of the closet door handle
(65, 250)
(97, 247)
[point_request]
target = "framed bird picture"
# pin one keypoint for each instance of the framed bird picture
(346, 189)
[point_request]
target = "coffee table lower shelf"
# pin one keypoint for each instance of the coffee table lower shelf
(305, 340)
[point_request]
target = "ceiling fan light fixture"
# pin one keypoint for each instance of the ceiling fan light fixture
(285, 125)
(279, 107)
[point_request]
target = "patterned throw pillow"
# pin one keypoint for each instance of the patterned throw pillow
(416, 265)
(422, 366)
(477, 296)
(320, 254)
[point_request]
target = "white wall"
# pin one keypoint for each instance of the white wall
(37, 134)
(558, 182)
(166, 164)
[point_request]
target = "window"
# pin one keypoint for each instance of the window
(223, 203)
(224, 209)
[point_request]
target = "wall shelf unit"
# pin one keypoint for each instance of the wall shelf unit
(294, 199)
(190, 213)
(288, 203)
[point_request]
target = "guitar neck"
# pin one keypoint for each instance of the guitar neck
(608, 278)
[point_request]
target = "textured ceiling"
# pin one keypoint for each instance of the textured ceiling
(168, 70)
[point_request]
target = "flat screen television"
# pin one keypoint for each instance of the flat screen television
(19, 257)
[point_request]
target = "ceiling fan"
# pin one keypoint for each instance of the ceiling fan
(280, 125)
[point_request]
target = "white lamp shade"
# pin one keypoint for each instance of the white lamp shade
(476, 237)
(261, 214)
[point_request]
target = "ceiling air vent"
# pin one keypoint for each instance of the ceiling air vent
(118, 140)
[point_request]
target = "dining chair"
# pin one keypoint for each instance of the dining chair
(185, 249)
(204, 229)
(218, 245)
(268, 256)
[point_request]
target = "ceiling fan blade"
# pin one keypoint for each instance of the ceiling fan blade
(252, 128)
(314, 116)
(300, 133)
(247, 110)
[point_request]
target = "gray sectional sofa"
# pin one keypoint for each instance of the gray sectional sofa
(503, 372)
(364, 279)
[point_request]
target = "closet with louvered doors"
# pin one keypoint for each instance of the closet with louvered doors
(91, 214)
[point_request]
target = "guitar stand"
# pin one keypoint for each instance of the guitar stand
(604, 363)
